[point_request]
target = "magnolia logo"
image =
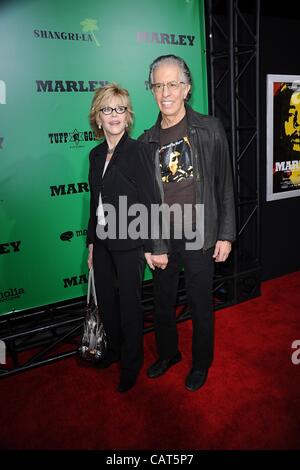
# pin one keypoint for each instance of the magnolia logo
(11, 293)
(1, 142)
(81, 233)
(67, 236)
(136, 222)
(90, 26)
(2, 352)
(296, 354)
(2, 92)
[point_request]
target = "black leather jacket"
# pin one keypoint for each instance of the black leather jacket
(129, 173)
(212, 176)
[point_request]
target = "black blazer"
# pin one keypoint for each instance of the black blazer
(130, 173)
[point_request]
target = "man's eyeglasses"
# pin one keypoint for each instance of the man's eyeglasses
(172, 86)
(108, 110)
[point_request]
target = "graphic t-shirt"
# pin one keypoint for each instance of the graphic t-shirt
(176, 165)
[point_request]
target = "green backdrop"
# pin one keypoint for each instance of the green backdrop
(53, 54)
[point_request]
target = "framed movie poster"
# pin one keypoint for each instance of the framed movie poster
(283, 136)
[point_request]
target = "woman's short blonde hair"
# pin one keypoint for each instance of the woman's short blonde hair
(103, 97)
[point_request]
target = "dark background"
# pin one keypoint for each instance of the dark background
(279, 54)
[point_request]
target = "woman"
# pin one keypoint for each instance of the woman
(119, 167)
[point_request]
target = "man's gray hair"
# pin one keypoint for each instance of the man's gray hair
(172, 59)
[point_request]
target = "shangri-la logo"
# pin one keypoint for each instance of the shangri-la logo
(90, 26)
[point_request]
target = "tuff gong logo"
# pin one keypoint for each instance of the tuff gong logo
(75, 136)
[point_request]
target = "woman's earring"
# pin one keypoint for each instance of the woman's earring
(126, 125)
(99, 125)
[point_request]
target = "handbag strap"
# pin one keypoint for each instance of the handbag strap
(91, 285)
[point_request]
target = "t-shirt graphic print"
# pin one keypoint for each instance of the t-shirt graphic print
(176, 161)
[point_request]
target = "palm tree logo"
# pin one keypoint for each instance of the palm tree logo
(89, 26)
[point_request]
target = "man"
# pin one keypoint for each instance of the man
(205, 162)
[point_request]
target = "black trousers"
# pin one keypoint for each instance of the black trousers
(198, 271)
(118, 280)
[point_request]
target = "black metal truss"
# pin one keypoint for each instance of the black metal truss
(39, 337)
(233, 69)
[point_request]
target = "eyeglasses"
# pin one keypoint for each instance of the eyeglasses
(108, 110)
(172, 86)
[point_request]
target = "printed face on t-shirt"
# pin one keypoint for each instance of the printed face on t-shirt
(176, 161)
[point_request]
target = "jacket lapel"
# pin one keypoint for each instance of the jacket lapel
(100, 159)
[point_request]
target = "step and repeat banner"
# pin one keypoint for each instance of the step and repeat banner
(53, 55)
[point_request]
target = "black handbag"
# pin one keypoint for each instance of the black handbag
(93, 341)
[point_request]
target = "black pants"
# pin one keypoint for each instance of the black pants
(198, 271)
(118, 279)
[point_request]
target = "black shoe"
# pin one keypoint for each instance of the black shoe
(196, 379)
(105, 362)
(126, 383)
(162, 365)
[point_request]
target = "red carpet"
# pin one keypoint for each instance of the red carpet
(251, 399)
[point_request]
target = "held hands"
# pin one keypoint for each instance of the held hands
(222, 250)
(156, 261)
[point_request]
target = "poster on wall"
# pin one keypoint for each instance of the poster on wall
(283, 136)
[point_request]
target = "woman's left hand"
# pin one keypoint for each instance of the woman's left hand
(149, 260)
